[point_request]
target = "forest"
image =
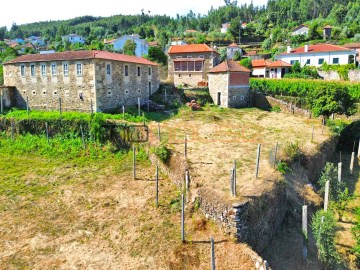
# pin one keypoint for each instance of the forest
(272, 23)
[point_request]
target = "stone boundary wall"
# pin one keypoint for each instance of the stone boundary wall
(354, 75)
(265, 102)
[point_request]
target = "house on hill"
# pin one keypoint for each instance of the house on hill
(232, 49)
(82, 79)
(142, 46)
(189, 65)
(300, 30)
(266, 69)
(229, 84)
(224, 27)
(316, 55)
(73, 38)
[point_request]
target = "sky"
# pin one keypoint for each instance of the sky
(25, 11)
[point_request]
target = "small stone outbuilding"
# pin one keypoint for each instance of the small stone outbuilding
(229, 85)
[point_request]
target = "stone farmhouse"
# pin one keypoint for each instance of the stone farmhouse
(189, 65)
(81, 79)
(229, 84)
(316, 55)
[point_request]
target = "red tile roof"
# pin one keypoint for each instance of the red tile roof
(352, 45)
(186, 59)
(258, 63)
(228, 65)
(278, 63)
(190, 48)
(80, 55)
(318, 48)
(233, 45)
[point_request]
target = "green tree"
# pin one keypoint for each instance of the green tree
(330, 173)
(246, 62)
(129, 47)
(156, 54)
(237, 56)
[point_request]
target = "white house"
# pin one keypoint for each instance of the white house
(73, 38)
(316, 55)
(266, 69)
(224, 28)
(300, 30)
(142, 46)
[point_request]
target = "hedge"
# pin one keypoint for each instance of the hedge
(302, 87)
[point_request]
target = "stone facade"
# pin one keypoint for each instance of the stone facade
(192, 78)
(230, 89)
(78, 92)
(7, 94)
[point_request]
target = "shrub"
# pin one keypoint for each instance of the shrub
(292, 151)
(275, 109)
(283, 167)
(163, 153)
(330, 173)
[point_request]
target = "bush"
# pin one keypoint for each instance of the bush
(292, 151)
(330, 173)
(163, 153)
(275, 109)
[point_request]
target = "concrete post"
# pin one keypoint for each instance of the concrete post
(352, 162)
(257, 161)
(234, 182)
(187, 180)
(304, 231)
(123, 112)
(182, 218)
(157, 186)
(213, 267)
(339, 172)
(326, 199)
(139, 106)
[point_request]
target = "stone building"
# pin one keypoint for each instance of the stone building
(229, 84)
(81, 79)
(189, 64)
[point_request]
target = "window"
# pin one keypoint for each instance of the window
(33, 92)
(22, 71)
(79, 70)
(292, 62)
(308, 61)
(55, 93)
(188, 66)
(336, 60)
(108, 69)
(32, 70)
(43, 70)
(138, 71)
(53, 69)
(149, 71)
(66, 69)
(179, 75)
(320, 61)
(189, 75)
(126, 70)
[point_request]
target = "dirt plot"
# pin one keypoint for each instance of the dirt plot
(92, 215)
(217, 137)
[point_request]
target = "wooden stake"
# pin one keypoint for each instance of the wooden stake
(134, 163)
(157, 186)
(257, 161)
(182, 218)
(213, 267)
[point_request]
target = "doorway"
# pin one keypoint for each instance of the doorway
(218, 99)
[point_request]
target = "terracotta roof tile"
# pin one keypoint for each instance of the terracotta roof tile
(228, 65)
(190, 48)
(278, 63)
(352, 45)
(318, 48)
(80, 55)
(233, 45)
(258, 63)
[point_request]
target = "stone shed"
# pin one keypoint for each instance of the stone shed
(82, 80)
(229, 85)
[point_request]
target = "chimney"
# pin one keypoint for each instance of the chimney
(306, 48)
(288, 50)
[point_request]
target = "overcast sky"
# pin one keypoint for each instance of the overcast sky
(27, 11)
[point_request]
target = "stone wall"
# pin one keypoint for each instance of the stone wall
(115, 90)
(8, 96)
(77, 93)
(354, 75)
(238, 96)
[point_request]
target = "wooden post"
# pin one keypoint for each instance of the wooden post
(139, 106)
(134, 163)
(60, 110)
(185, 148)
(157, 186)
(352, 162)
(27, 105)
(257, 161)
(123, 112)
(326, 199)
(1, 101)
(212, 254)
(312, 134)
(47, 132)
(159, 133)
(275, 153)
(82, 137)
(91, 107)
(339, 172)
(304, 231)
(182, 218)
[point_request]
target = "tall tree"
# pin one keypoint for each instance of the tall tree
(129, 47)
